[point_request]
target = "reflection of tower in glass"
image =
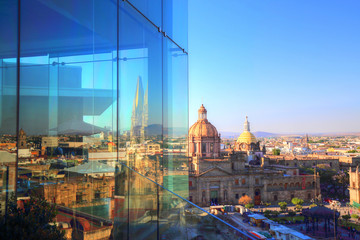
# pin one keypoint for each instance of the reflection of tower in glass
(145, 114)
(139, 113)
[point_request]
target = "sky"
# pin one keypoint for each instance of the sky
(291, 66)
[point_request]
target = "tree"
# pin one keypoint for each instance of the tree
(245, 200)
(276, 151)
(297, 201)
(354, 216)
(298, 207)
(341, 179)
(346, 217)
(283, 206)
(267, 213)
(291, 213)
(312, 205)
(35, 220)
(249, 205)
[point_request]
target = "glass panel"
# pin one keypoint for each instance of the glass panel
(175, 21)
(150, 8)
(68, 109)
(175, 120)
(140, 119)
(8, 100)
(137, 212)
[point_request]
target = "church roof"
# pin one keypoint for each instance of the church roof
(246, 137)
(202, 127)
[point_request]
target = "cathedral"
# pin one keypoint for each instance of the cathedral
(222, 176)
(140, 115)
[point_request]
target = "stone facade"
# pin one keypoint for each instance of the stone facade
(349, 161)
(224, 179)
(78, 193)
(354, 186)
(304, 161)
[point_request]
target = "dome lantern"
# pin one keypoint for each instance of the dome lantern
(202, 113)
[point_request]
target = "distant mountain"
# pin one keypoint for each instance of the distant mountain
(265, 134)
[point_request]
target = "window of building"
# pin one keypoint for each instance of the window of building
(236, 181)
(243, 181)
(211, 147)
(275, 198)
(203, 147)
(236, 196)
(309, 196)
(97, 195)
(256, 181)
(78, 197)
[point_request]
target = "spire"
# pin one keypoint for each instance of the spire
(247, 125)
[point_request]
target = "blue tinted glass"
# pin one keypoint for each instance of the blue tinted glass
(150, 8)
(68, 107)
(175, 21)
(8, 99)
(140, 120)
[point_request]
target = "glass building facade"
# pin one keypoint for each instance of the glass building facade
(94, 116)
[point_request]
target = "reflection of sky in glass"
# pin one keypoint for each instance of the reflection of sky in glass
(98, 71)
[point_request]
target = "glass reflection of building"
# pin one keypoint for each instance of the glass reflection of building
(94, 115)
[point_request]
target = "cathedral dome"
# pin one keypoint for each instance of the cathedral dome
(202, 128)
(246, 137)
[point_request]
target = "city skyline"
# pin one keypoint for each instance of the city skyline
(290, 66)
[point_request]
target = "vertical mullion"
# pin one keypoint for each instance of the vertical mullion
(17, 96)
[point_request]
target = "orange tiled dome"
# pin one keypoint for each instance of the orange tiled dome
(203, 128)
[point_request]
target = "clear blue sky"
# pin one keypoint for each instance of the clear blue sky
(291, 66)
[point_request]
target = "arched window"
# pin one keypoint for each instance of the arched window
(203, 147)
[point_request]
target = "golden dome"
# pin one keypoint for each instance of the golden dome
(246, 137)
(203, 128)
